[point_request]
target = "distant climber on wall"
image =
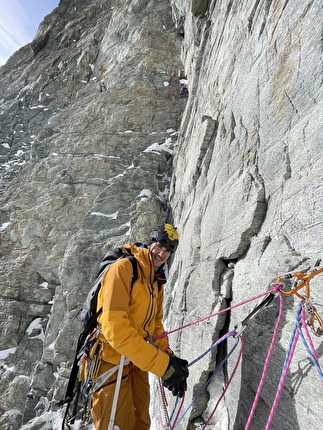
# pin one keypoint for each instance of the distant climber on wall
(183, 91)
(131, 316)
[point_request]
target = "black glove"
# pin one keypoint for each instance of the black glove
(175, 376)
(179, 388)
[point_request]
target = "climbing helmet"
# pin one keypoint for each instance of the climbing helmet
(166, 235)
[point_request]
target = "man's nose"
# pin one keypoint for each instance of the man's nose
(162, 252)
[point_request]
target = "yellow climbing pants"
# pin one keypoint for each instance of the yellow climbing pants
(133, 402)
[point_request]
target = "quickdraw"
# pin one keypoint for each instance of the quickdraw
(302, 280)
(257, 310)
(88, 362)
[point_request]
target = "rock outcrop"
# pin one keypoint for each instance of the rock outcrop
(91, 118)
(90, 114)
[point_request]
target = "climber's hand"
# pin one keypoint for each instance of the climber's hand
(176, 372)
(179, 388)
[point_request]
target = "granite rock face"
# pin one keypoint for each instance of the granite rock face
(249, 200)
(90, 121)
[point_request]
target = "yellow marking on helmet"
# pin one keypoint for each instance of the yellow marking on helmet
(171, 232)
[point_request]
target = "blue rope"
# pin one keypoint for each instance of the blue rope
(213, 373)
(293, 334)
(174, 409)
(211, 348)
(297, 327)
(314, 361)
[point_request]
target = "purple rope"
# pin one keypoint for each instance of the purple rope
(228, 383)
(265, 369)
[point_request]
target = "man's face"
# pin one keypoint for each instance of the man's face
(159, 253)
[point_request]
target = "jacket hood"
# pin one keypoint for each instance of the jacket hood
(142, 254)
(143, 257)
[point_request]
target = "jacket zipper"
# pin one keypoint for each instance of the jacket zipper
(150, 308)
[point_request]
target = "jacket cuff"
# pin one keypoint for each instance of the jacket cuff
(160, 364)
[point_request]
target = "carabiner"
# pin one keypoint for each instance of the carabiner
(255, 312)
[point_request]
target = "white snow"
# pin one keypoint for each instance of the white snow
(4, 225)
(99, 156)
(5, 352)
(36, 325)
(158, 148)
(51, 420)
(111, 216)
(44, 285)
(13, 413)
(145, 193)
(164, 194)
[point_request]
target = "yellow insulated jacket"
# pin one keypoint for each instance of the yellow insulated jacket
(130, 316)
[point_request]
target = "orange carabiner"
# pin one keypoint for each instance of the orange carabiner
(303, 280)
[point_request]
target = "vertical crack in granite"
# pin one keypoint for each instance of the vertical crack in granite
(206, 148)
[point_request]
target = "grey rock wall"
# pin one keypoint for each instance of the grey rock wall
(90, 112)
(247, 196)
(90, 115)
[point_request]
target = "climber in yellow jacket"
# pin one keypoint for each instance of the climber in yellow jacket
(131, 316)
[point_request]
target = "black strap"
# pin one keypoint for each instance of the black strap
(82, 338)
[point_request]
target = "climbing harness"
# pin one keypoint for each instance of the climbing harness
(116, 394)
(89, 380)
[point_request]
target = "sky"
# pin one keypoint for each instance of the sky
(19, 22)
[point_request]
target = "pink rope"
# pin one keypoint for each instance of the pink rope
(227, 385)
(275, 289)
(308, 336)
(282, 381)
(310, 342)
(178, 412)
(265, 369)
